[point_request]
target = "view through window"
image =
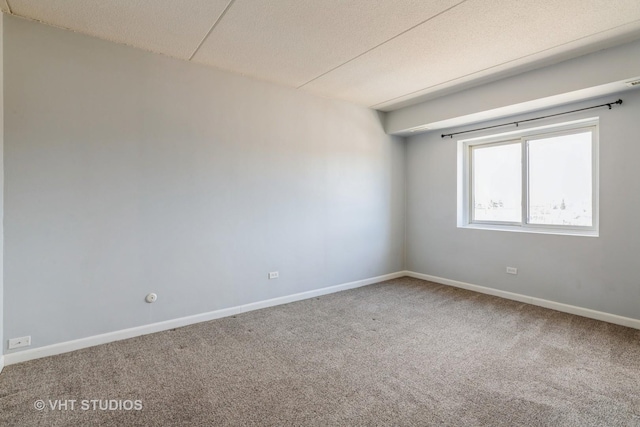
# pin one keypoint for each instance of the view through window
(544, 179)
(560, 180)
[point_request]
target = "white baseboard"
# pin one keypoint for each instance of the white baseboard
(1, 363)
(64, 347)
(565, 308)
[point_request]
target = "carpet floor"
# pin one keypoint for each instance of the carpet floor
(404, 352)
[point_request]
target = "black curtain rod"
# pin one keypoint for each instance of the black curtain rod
(608, 104)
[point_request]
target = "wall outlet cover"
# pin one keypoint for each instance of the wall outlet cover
(19, 342)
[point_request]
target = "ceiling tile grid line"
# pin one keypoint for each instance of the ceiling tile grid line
(224, 12)
(380, 44)
(292, 41)
(161, 26)
(501, 64)
(385, 54)
(476, 35)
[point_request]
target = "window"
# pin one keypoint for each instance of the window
(538, 180)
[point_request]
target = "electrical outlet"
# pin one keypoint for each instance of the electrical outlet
(19, 342)
(273, 275)
(512, 270)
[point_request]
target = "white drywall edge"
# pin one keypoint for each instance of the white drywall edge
(573, 80)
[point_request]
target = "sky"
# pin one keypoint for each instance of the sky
(560, 168)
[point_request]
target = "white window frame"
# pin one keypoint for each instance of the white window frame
(522, 137)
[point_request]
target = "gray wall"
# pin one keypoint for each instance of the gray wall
(1, 190)
(129, 172)
(600, 273)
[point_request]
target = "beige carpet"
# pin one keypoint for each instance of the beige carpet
(403, 352)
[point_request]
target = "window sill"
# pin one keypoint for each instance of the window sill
(534, 230)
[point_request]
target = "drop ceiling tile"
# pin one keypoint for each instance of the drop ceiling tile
(294, 41)
(171, 27)
(475, 36)
(583, 46)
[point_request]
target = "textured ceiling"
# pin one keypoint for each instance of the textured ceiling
(172, 27)
(294, 41)
(383, 54)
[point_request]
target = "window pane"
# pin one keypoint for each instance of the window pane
(560, 180)
(497, 187)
